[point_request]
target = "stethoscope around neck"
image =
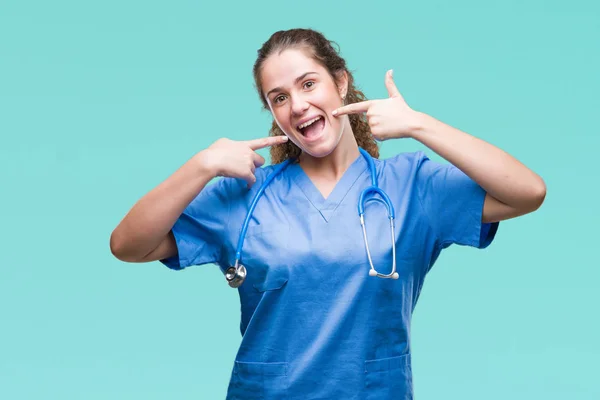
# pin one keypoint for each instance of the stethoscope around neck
(236, 274)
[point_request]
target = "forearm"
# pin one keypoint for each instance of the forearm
(498, 173)
(153, 216)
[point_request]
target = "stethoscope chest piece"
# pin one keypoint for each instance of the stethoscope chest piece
(235, 275)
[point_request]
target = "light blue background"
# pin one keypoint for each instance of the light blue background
(101, 101)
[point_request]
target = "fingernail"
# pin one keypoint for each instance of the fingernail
(334, 112)
(285, 138)
(391, 73)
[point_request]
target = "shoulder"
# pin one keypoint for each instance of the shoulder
(404, 157)
(407, 163)
(263, 172)
(425, 172)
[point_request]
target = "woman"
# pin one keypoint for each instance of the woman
(315, 324)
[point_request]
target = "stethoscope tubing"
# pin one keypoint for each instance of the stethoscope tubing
(235, 279)
(276, 171)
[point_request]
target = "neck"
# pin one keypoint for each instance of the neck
(337, 162)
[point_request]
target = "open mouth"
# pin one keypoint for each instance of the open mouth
(312, 128)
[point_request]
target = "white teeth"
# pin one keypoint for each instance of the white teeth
(307, 123)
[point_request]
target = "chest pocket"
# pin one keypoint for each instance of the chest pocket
(265, 257)
(389, 378)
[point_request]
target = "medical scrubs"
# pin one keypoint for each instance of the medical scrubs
(314, 324)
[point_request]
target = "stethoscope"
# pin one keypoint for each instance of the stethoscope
(237, 274)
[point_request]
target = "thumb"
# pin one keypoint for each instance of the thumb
(390, 85)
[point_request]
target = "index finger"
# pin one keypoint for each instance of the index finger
(261, 143)
(354, 108)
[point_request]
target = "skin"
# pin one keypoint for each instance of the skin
(296, 87)
(144, 234)
(512, 188)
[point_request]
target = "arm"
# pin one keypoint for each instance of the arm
(512, 188)
(145, 232)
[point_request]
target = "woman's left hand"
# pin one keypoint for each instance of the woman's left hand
(389, 118)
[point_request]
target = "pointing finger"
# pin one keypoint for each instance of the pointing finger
(354, 108)
(257, 144)
(390, 85)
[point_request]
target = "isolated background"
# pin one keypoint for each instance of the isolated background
(101, 101)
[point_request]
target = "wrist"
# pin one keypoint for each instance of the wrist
(420, 125)
(205, 165)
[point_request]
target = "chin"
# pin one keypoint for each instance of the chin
(318, 153)
(319, 147)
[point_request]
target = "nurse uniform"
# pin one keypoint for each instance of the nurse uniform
(314, 324)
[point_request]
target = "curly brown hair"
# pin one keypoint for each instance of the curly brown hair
(322, 50)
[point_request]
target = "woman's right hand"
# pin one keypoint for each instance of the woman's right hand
(237, 159)
(143, 235)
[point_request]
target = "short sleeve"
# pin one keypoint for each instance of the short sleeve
(453, 203)
(200, 230)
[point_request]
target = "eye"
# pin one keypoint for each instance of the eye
(279, 99)
(309, 84)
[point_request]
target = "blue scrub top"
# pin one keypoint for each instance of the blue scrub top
(314, 324)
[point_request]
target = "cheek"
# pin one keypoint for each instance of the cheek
(331, 103)
(329, 100)
(279, 117)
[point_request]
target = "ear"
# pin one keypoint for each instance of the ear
(341, 81)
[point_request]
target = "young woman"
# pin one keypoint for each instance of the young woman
(319, 319)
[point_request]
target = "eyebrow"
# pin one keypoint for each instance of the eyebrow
(298, 79)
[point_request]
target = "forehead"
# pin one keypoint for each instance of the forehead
(280, 69)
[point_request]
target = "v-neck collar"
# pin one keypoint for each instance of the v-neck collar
(327, 206)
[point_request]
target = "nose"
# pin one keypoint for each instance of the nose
(299, 105)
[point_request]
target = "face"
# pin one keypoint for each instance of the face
(301, 95)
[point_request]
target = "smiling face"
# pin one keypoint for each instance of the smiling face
(301, 95)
